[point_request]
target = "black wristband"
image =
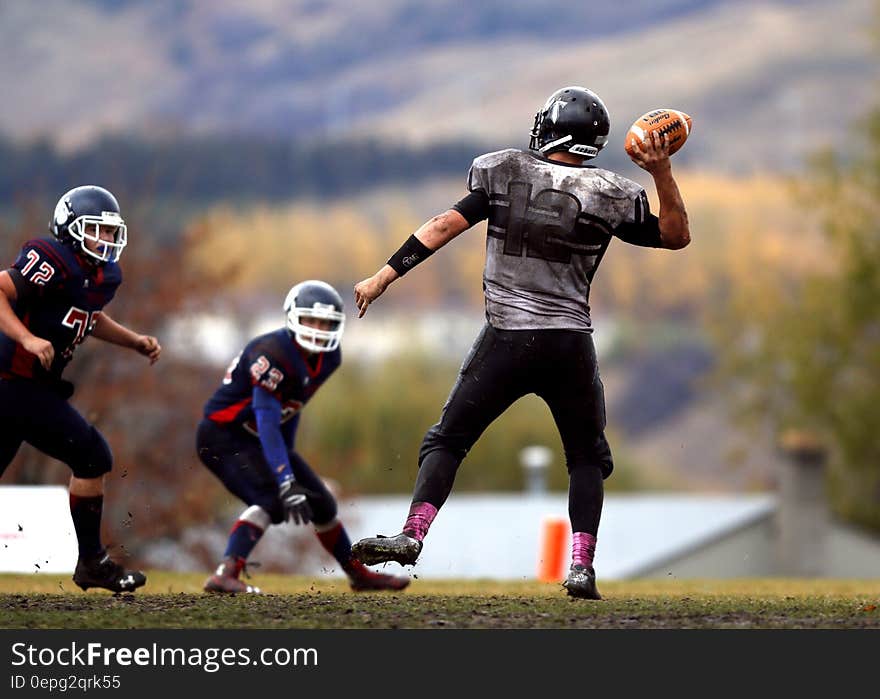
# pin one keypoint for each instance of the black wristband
(409, 255)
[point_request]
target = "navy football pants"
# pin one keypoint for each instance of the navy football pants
(35, 413)
(237, 460)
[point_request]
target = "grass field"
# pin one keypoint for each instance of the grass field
(173, 600)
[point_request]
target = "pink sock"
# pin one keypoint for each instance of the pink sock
(583, 546)
(421, 514)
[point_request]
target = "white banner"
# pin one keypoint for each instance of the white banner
(36, 531)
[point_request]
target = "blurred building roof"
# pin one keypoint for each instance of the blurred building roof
(499, 536)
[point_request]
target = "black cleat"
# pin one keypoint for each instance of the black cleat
(401, 549)
(581, 582)
(101, 571)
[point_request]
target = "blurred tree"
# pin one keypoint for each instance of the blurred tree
(206, 170)
(804, 352)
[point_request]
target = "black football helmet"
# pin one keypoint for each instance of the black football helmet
(315, 299)
(83, 213)
(573, 119)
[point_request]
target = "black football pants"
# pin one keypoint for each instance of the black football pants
(502, 366)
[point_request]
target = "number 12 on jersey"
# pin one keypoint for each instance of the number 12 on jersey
(549, 226)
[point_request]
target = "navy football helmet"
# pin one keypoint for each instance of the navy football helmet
(315, 299)
(83, 214)
(573, 119)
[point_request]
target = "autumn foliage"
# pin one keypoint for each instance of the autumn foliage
(749, 236)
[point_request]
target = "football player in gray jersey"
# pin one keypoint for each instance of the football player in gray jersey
(551, 218)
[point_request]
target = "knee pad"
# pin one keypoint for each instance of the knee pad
(273, 507)
(324, 508)
(430, 442)
(599, 417)
(96, 459)
(256, 516)
(435, 440)
(603, 454)
(598, 455)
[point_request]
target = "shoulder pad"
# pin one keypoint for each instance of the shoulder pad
(494, 158)
(623, 187)
(51, 251)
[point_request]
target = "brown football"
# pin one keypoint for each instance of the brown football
(665, 121)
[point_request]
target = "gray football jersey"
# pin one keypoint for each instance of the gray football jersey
(549, 226)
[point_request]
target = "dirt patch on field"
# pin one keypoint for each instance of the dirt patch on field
(316, 610)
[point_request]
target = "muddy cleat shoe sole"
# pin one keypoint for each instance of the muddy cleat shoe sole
(380, 581)
(401, 549)
(226, 584)
(104, 573)
(581, 583)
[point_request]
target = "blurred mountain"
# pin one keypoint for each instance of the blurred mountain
(769, 74)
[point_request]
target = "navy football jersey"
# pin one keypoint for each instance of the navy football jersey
(60, 295)
(275, 363)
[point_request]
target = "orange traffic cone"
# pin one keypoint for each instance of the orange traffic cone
(551, 560)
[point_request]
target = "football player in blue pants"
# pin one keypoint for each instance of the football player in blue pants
(246, 438)
(551, 219)
(51, 299)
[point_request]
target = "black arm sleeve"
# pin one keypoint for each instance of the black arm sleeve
(474, 207)
(646, 234)
(23, 289)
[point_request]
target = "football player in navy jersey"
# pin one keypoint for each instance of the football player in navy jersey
(551, 218)
(246, 437)
(51, 299)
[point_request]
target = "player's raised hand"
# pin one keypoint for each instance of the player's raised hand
(40, 348)
(652, 153)
(148, 346)
(368, 290)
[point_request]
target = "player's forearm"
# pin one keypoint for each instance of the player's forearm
(115, 333)
(673, 218)
(385, 276)
(440, 229)
(430, 237)
(275, 454)
(267, 410)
